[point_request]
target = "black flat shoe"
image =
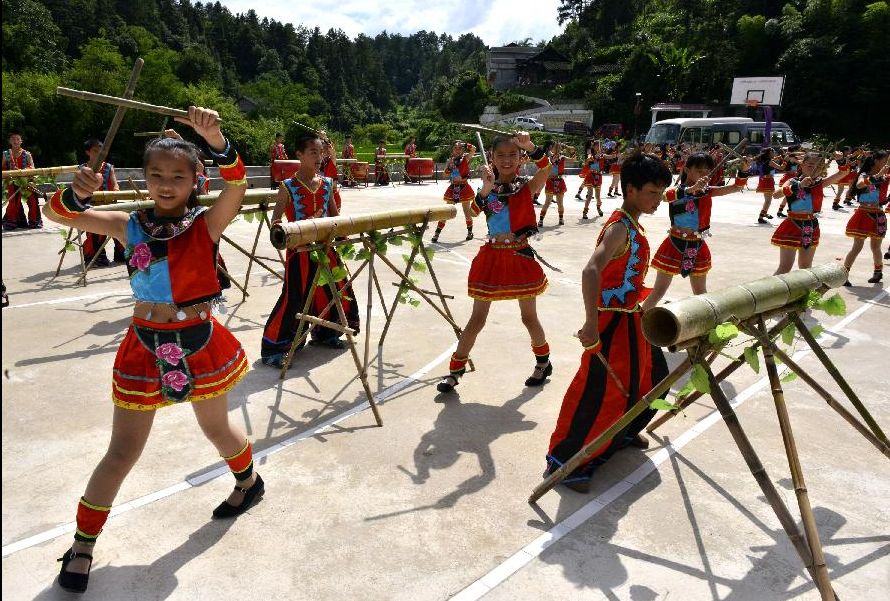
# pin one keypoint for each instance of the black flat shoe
(469, 234)
(583, 215)
(887, 255)
(71, 581)
(251, 495)
(445, 385)
(848, 284)
(533, 381)
(600, 211)
(781, 214)
(762, 220)
(877, 277)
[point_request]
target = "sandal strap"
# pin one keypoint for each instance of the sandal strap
(70, 554)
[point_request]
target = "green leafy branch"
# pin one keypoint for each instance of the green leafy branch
(69, 246)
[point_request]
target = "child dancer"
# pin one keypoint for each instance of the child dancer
(799, 233)
(348, 153)
(174, 351)
(613, 155)
(14, 217)
(844, 164)
(792, 169)
(307, 195)
(277, 152)
(869, 221)
(457, 170)
(767, 166)
(93, 242)
(381, 177)
(684, 252)
(555, 186)
(612, 285)
(505, 268)
(596, 163)
(585, 168)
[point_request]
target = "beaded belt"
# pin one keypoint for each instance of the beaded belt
(685, 234)
(800, 216)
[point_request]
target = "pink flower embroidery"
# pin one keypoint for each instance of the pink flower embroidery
(691, 252)
(141, 257)
(496, 206)
(169, 352)
(807, 229)
(871, 187)
(687, 264)
(801, 193)
(175, 379)
(806, 241)
(690, 206)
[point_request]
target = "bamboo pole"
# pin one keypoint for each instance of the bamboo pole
(252, 257)
(113, 197)
(305, 231)
(325, 323)
(724, 373)
(823, 581)
(124, 102)
(256, 241)
(395, 301)
(41, 172)
(594, 445)
(840, 380)
(826, 396)
(789, 524)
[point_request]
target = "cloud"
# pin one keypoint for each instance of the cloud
(497, 22)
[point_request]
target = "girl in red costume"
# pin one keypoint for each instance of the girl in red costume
(685, 252)
(766, 185)
(799, 233)
(556, 185)
(174, 351)
(457, 170)
(612, 284)
(593, 181)
(869, 221)
(505, 268)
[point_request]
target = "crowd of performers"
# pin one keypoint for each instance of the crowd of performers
(175, 351)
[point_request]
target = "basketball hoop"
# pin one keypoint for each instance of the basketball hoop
(752, 103)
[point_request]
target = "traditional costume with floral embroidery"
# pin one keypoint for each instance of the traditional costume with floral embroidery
(556, 185)
(15, 211)
(93, 242)
(684, 251)
(507, 271)
(869, 220)
(173, 262)
(593, 401)
(800, 229)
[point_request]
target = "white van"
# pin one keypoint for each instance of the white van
(528, 123)
(689, 131)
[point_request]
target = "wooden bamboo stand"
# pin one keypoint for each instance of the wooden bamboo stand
(807, 543)
(330, 241)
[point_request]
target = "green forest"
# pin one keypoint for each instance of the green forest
(833, 52)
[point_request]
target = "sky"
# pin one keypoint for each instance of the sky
(497, 22)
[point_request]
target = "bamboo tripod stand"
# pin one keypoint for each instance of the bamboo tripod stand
(405, 283)
(700, 351)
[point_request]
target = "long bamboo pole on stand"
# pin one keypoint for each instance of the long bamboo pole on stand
(106, 146)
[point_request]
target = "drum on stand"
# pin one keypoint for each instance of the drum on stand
(421, 168)
(360, 171)
(284, 169)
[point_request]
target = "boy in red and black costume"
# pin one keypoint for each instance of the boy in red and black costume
(307, 195)
(277, 152)
(93, 242)
(410, 149)
(19, 158)
(612, 285)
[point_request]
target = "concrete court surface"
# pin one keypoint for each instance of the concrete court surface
(433, 505)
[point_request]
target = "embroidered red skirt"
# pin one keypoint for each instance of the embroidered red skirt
(505, 272)
(867, 224)
(848, 179)
(160, 364)
(585, 169)
(593, 180)
(455, 193)
(614, 168)
(766, 183)
(555, 186)
(797, 233)
(683, 256)
(786, 176)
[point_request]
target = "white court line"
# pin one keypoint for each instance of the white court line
(222, 471)
(524, 556)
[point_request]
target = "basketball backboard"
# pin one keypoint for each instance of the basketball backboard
(765, 90)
